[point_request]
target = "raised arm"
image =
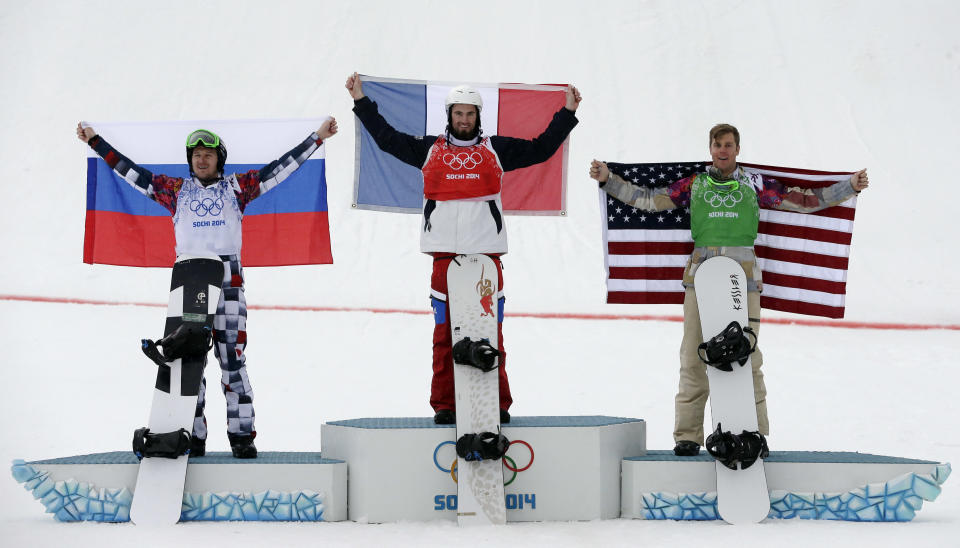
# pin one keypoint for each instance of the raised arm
(661, 198)
(804, 200)
(255, 183)
(408, 149)
(159, 188)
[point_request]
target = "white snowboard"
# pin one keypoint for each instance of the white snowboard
(721, 287)
(194, 294)
(472, 293)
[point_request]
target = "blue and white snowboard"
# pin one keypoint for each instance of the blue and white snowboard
(721, 288)
(194, 294)
(472, 294)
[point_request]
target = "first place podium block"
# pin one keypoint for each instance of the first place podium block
(557, 468)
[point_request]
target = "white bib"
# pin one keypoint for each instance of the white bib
(208, 219)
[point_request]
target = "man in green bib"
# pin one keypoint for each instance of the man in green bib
(724, 205)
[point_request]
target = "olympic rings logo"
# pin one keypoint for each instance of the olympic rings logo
(464, 160)
(508, 462)
(726, 199)
(207, 206)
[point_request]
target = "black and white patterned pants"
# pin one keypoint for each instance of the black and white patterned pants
(230, 340)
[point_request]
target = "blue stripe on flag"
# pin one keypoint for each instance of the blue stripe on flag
(106, 191)
(300, 193)
(385, 180)
(303, 192)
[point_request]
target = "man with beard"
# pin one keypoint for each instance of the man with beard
(462, 171)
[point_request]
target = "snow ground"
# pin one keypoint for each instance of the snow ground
(302, 363)
(816, 84)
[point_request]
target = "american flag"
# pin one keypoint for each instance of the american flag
(803, 256)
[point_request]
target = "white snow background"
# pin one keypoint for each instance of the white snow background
(818, 84)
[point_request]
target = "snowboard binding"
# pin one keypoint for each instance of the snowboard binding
(170, 445)
(484, 446)
(730, 345)
(479, 354)
(188, 340)
(730, 449)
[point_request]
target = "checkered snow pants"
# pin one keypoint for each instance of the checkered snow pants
(230, 340)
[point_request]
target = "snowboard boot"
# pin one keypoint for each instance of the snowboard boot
(686, 448)
(504, 417)
(242, 446)
(445, 416)
(198, 447)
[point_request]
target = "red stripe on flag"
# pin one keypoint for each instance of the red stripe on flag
(836, 212)
(805, 233)
(128, 240)
(799, 307)
(525, 114)
(802, 257)
(648, 297)
(286, 239)
(131, 240)
(794, 170)
(649, 248)
(801, 282)
(645, 273)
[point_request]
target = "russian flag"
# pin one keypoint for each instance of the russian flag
(286, 226)
(416, 107)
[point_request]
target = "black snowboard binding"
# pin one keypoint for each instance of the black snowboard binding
(731, 345)
(479, 354)
(730, 448)
(169, 445)
(484, 446)
(188, 340)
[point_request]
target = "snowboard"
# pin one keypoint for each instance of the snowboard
(194, 294)
(472, 298)
(721, 288)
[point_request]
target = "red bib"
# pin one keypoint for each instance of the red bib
(455, 173)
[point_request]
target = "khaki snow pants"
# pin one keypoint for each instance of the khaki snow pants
(692, 394)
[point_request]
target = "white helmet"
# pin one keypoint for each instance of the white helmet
(464, 95)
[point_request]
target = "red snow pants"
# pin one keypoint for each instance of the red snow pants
(442, 395)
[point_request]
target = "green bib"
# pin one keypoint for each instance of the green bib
(721, 216)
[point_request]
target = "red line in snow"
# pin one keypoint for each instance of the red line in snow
(543, 315)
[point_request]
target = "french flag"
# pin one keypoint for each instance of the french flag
(288, 225)
(416, 107)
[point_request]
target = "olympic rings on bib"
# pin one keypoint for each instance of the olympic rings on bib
(462, 160)
(207, 206)
(726, 199)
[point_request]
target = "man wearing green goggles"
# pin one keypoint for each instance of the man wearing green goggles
(724, 204)
(207, 210)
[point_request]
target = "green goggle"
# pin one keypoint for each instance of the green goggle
(203, 137)
(731, 185)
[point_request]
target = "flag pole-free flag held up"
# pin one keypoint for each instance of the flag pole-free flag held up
(416, 107)
(287, 225)
(803, 256)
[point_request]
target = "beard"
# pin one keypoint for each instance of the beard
(465, 135)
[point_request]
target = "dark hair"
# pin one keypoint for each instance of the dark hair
(720, 130)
